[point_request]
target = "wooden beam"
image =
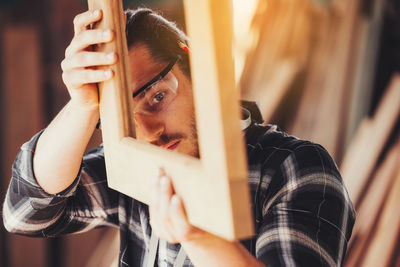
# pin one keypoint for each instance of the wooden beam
(367, 144)
(371, 206)
(218, 180)
(322, 113)
(384, 241)
(281, 53)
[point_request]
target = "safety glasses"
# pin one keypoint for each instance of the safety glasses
(158, 93)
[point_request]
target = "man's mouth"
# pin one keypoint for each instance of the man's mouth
(172, 145)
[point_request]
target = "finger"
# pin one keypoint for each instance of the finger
(165, 196)
(183, 230)
(88, 59)
(178, 213)
(81, 21)
(154, 200)
(87, 38)
(78, 77)
(179, 222)
(160, 228)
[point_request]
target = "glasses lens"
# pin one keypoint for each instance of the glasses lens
(157, 96)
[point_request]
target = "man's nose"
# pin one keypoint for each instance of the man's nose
(148, 128)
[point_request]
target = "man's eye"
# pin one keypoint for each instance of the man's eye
(158, 97)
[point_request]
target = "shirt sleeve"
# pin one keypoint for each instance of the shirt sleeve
(87, 203)
(306, 216)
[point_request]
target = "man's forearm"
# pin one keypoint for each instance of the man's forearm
(60, 148)
(215, 251)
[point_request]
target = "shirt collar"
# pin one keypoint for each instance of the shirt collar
(246, 119)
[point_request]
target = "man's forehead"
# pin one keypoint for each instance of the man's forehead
(142, 66)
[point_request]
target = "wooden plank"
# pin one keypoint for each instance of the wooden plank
(219, 179)
(384, 240)
(364, 76)
(361, 157)
(23, 108)
(281, 52)
(326, 87)
(372, 204)
(277, 88)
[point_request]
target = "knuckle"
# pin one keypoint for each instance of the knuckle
(65, 77)
(76, 19)
(63, 67)
(67, 51)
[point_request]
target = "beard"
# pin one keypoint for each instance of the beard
(194, 139)
(192, 148)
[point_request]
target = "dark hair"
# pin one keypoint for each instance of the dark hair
(162, 37)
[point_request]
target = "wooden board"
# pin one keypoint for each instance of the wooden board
(322, 113)
(372, 135)
(218, 180)
(372, 204)
(280, 53)
(384, 241)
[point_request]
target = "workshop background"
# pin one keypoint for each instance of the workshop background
(323, 70)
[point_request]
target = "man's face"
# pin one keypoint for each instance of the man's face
(173, 126)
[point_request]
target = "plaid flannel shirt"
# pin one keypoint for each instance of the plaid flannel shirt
(302, 213)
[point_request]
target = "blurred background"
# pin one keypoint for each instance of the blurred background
(323, 70)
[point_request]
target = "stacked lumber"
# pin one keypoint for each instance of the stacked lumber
(375, 188)
(305, 49)
(327, 83)
(335, 85)
(284, 29)
(369, 141)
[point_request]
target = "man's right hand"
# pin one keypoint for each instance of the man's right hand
(60, 148)
(79, 66)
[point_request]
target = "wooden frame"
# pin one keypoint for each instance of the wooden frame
(215, 187)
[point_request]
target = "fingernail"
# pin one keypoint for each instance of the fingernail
(111, 56)
(107, 73)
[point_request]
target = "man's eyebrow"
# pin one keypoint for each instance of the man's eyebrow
(157, 77)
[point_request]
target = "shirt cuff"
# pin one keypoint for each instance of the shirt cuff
(23, 181)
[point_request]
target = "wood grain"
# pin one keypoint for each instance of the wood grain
(368, 142)
(371, 206)
(384, 241)
(218, 180)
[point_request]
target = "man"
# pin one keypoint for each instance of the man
(303, 215)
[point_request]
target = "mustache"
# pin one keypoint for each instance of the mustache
(166, 138)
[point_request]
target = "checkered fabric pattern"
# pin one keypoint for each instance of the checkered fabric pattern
(302, 213)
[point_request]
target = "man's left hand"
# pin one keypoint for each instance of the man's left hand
(168, 217)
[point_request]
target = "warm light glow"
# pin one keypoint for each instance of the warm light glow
(243, 12)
